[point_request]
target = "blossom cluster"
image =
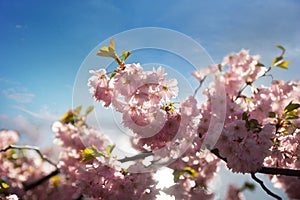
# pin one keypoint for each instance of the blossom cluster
(144, 99)
(261, 127)
(138, 95)
(244, 149)
(97, 177)
(19, 169)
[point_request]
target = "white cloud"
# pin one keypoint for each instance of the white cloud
(44, 113)
(19, 26)
(20, 95)
(29, 133)
(34, 127)
(8, 81)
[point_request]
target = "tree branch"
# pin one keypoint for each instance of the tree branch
(279, 171)
(20, 147)
(136, 157)
(266, 170)
(43, 157)
(40, 181)
(261, 183)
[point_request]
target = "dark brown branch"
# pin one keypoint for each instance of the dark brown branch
(279, 171)
(261, 183)
(267, 170)
(40, 181)
(44, 158)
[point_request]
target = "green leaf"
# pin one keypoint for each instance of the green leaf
(124, 171)
(260, 65)
(187, 170)
(112, 43)
(107, 52)
(288, 122)
(272, 114)
(177, 173)
(249, 186)
(90, 153)
(78, 110)
(88, 110)
(245, 116)
(291, 107)
(113, 74)
(190, 171)
(277, 60)
(285, 132)
(68, 117)
(109, 149)
(55, 180)
(125, 54)
(3, 185)
(282, 48)
(283, 64)
(252, 124)
(13, 154)
(291, 116)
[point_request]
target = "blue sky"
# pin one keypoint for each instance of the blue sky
(43, 44)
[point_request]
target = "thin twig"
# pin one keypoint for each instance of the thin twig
(269, 192)
(43, 157)
(20, 147)
(200, 85)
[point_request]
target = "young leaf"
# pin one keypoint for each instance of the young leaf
(282, 48)
(68, 117)
(291, 116)
(249, 186)
(260, 65)
(55, 180)
(177, 174)
(78, 110)
(291, 107)
(13, 155)
(3, 185)
(109, 149)
(252, 124)
(277, 60)
(283, 64)
(88, 110)
(113, 74)
(245, 116)
(125, 54)
(272, 114)
(90, 153)
(107, 52)
(112, 43)
(285, 132)
(190, 171)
